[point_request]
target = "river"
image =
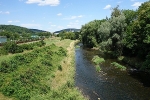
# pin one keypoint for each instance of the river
(110, 84)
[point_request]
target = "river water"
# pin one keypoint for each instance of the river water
(110, 84)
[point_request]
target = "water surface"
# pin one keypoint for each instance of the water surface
(110, 84)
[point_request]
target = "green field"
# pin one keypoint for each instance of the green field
(44, 73)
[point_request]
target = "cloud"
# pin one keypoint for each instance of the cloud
(6, 12)
(74, 24)
(15, 21)
(107, 7)
(53, 25)
(67, 5)
(136, 4)
(44, 2)
(119, 2)
(59, 14)
(133, 0)
(60, 27)
(31, 25)
(73, 17)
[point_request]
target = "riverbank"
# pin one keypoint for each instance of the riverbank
(111, 83)
(53, 81)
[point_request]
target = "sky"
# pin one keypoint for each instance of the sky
(54, 15)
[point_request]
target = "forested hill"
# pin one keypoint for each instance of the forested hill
(68, 30)
(37, 30)
(15, 29)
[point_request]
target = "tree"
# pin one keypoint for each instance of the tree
(141, 28)
(89, 34)
(112, 32)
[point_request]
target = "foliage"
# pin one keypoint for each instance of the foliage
(97, 60)
(46, 34)
(28, 80)
(146, 64)
(98, 68)
(15, 29)
(69, 35)
(125, 33)
(118, 66)
(90, 37)
(12, 47)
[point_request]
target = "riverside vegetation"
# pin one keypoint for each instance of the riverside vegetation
(46, 72)
(97, 60)
(125, 34)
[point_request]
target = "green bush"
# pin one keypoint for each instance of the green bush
(8, 66)
(98, 68)
(118, 66)
(97, 60)
(12, 47)
(3, 51)
(60, 67)
(26, 72)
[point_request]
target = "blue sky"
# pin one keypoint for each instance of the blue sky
(53, 15)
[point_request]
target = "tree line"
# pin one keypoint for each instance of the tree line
(13, 32)
(125, 33)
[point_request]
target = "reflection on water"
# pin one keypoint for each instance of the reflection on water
(110, 84)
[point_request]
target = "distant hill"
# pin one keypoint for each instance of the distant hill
(68, 30)
(19, 29)
(37, 30)
(15, 29)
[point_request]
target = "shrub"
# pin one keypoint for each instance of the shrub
(98, 69)
(62, 51)
(60, 67)
(97, 60)
(118, 66)
(12, 47)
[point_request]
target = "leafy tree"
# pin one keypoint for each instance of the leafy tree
(141, 29)
(116, 12)
(112, 32)
(89, 34)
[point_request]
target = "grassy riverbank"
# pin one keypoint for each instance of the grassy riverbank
(47, 73)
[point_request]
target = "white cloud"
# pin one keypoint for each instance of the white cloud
(15, 21)
(6, 12)
(59, 14)
(53, 25)
(133, 0)
(73, 17)
(31, 25)
(107, 7)
(60, 27)
(44, 2)
(119, 2)
(77, 21)
(136, 4)
(10, 21)
(80, 16)
(67, 5)
(74, 24)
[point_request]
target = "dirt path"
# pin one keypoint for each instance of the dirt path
(68, 70)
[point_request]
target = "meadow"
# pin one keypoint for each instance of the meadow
(43, 73)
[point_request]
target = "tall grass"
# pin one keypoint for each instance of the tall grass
(97, 60)
(117, 65)
(29, 76)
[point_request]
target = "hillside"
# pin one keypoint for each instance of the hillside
(18, 29)
(15, 29)
(68, 30)
(37, 30)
